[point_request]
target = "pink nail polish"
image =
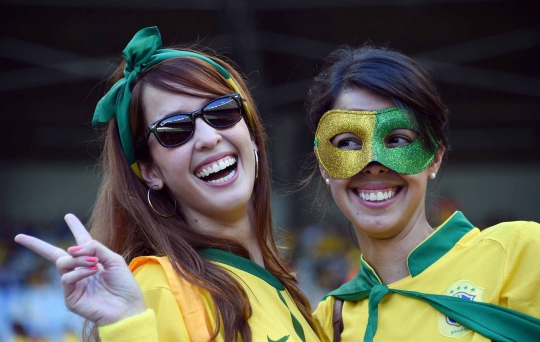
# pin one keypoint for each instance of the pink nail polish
(93, 268)
(91, 259)
(75, 248)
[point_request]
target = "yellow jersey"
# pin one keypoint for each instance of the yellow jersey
(181, 311)
(497, 269)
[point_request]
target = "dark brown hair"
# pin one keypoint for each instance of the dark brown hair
(123, 220)
(385, 72)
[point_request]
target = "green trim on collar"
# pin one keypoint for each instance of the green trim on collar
(243, 264)
(438, 244)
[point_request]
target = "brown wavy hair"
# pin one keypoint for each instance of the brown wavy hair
(123, 220)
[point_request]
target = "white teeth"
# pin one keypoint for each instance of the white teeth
(224, 179)
(216, 167)
(379, 196)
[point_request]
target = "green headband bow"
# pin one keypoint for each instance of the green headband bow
(142, 52)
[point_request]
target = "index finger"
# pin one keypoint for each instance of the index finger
(42, 248)
(77, 229)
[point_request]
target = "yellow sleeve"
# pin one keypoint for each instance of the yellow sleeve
(322, 317)
(141, 327)
(158, 297)
(521, 288)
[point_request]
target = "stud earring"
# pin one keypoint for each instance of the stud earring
(432, 175)
(327, 181)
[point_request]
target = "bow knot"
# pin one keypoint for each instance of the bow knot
(115, 104)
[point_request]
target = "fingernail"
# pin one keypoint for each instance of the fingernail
(91, 259)
(93, 268)
(75, 248)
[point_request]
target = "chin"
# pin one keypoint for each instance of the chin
(381, 226)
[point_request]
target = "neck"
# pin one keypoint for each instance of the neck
(389, 256)
(239, 227)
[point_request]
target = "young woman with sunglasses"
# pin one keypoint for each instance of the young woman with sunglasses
(381, 131)
(185, 199)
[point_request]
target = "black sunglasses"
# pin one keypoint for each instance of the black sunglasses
(176, 129)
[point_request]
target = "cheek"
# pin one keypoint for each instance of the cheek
(339, 192)
(417, 184)
(171, 160)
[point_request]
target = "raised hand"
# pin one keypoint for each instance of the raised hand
(96, 282)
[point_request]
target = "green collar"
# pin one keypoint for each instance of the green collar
(424, 255)
(438, 244)
(243, 264)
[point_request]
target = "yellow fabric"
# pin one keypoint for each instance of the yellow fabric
(141, 327)
(185, 312)
(501, 263)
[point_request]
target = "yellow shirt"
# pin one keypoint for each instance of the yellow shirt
(499, 265)
(185, 312)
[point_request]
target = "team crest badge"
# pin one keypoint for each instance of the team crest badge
(463, 289)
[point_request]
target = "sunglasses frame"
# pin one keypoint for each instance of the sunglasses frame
(152, 128)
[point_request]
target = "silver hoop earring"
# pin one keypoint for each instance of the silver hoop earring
(432, 175)
(327, 181)
(256, 164)
(154, 209)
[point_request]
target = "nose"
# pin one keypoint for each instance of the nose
(374, 168)
(205, 136)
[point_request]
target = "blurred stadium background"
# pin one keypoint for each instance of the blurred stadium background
(56, 54)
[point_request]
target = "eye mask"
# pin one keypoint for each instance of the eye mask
(372, 127)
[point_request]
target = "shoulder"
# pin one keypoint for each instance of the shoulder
(323, 314)
(513, 234)
(323, 317)
(150, 272)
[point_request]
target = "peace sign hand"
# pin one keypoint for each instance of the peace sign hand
(96, 282)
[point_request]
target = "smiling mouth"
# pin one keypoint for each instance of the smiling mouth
(219, 171)
(379, 195)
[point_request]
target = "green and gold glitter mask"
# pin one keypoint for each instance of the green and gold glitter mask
(372, 127)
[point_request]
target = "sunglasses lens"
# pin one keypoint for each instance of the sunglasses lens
(175, 130)
(223, 112)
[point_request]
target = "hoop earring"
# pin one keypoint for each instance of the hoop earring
(154, 209)
(256, 164)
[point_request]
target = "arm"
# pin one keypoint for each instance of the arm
(162, 321)
(521, 287)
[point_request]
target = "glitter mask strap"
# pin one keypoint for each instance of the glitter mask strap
(372, 127)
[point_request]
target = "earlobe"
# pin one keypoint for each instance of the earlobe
(150, 176)
(255, 147)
